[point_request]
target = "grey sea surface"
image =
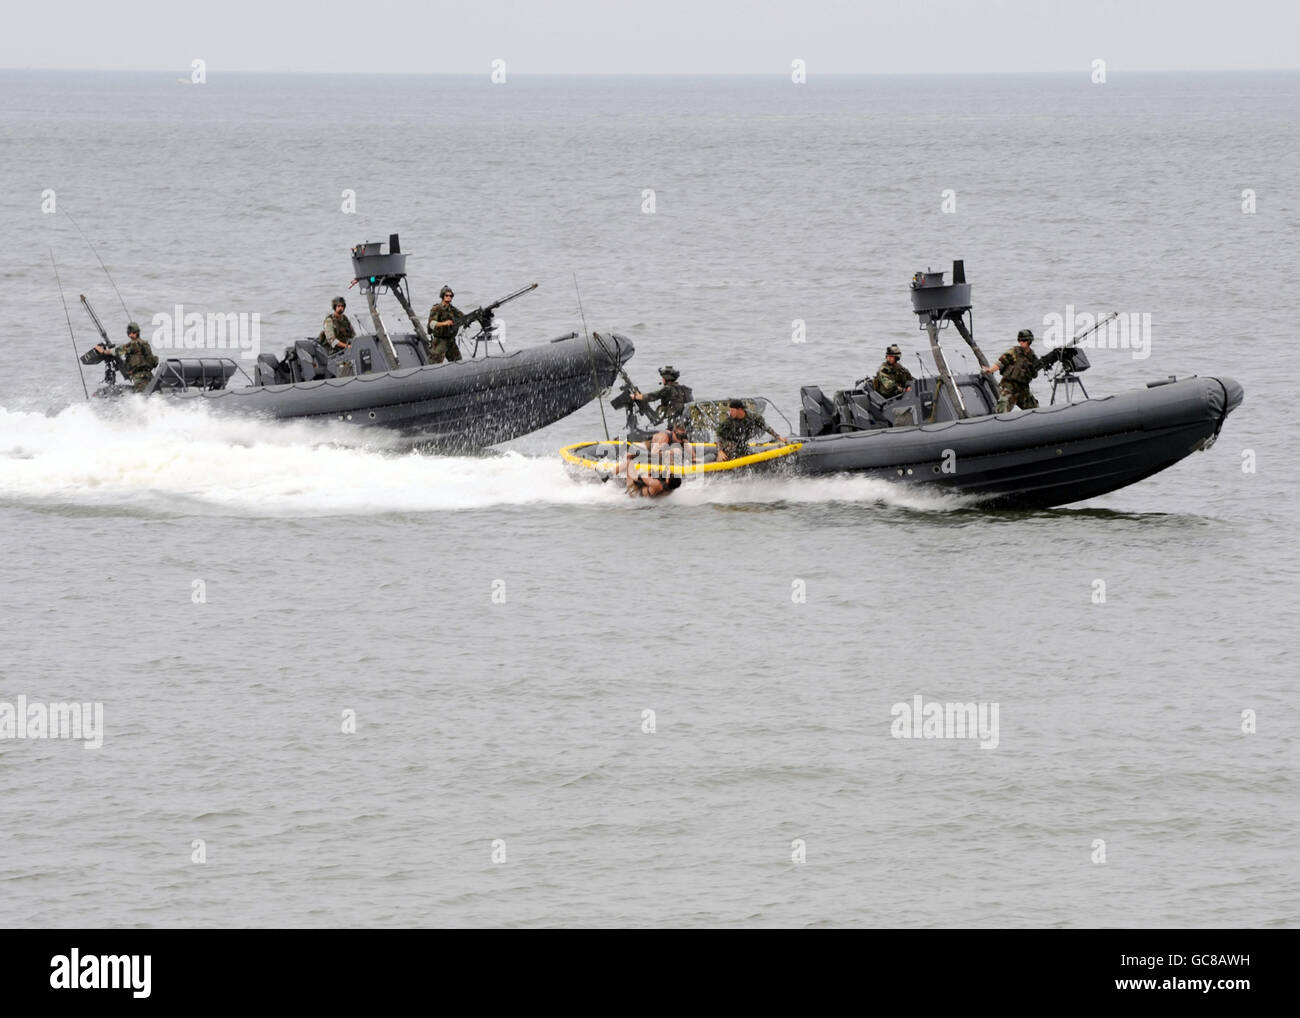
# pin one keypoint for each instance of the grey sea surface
(228, 590)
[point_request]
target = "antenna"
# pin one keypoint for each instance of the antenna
(129, 316)
(590, 353)
(71, 334)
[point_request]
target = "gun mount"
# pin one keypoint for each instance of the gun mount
(485, 318)
(1070, 362)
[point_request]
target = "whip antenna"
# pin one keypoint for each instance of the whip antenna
(129, 316)
(66, 315)
(594, 377)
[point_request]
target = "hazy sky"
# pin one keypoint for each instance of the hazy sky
(664, 36)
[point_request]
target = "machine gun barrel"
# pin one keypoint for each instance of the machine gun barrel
(483, 315)
(1059, 353)
(1079, 337)
(1074, 341)
(95, 318)
(93, 356)
(509, 297)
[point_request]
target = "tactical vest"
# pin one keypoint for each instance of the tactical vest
(1022, 368)
(892, 376)
(336, 330)
(437, 313)
(137, 357)
(674, 397)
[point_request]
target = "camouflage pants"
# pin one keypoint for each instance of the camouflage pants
(443, 349)
(140, 380)
(1012, 396)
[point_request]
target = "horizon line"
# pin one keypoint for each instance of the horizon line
(1083, 71)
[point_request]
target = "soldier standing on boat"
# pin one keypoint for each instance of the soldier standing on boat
(737, 428)
(672, 396)
(137, 357)
(1018, 365)
(444, 323)
(892, 378)
(337, 332)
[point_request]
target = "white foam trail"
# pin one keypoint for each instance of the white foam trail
(788, 489)
(156, 456)
(148, 453)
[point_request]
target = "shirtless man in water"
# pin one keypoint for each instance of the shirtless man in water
(642, 486)
(666, 448)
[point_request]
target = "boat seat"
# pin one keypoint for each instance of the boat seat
(269, 371)
(981, 398)
(312, 361)
(817, 413)
(873, 403)
(861, 410)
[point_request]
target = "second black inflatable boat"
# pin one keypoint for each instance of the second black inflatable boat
(385, 378)
(944, 430)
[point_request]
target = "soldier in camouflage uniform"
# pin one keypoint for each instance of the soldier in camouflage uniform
(672, 396)
(444, 323)
(135, 355)
(1018, 365)
(737, 428)
(337, 332)
(892, 378)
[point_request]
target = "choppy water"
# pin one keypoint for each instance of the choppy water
(342, 572)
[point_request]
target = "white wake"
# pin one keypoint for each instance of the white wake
(154, 456)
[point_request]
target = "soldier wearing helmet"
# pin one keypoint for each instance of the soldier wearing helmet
(892, 378)
(1018, 365)
(444, 323)
(336, 335)
(136, 356)
(672, 396)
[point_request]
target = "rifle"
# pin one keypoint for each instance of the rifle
(93, 356)
(629, 386)
(624, 400)
(651, 414)
(483, 316)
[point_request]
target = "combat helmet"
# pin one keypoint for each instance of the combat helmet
(893, 348)
(132, 327)
(1024, 334)
(337, 301)
(669, 372)
(444, 292)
